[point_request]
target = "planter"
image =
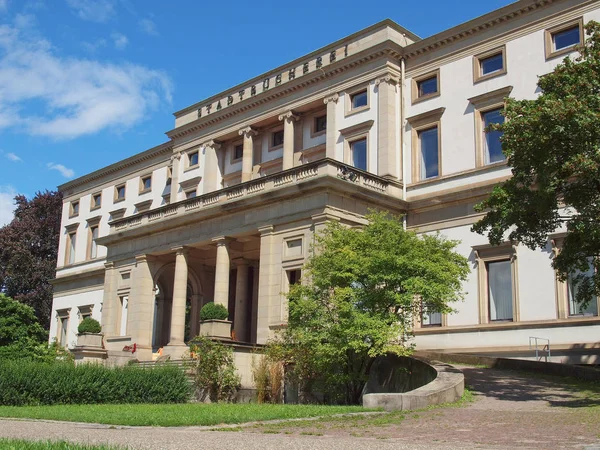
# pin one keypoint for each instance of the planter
(90, 340)
(216, 329)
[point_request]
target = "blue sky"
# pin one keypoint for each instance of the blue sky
(85, 83)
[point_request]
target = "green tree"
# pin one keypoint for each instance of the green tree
(28, 252)
(360, 293)
(552, 144)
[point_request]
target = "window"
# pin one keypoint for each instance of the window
(93, 246)
(71, 245)
(145, 184)
(359, 99)
(498, 293)
(430, 318)
(96, 200)
(120, 193)
(358, 150)
(191, 194)
(573, 285)
(563, 39)
(238, 151)
(62, 327)
(193, 159)
(426, 86)
(122, 315)
(293, 276)
(85, 312)
(429, 153)
(74, 209)
(489, 65)
(293, 248)
(277, 138)
(320, 124)
(491, 139)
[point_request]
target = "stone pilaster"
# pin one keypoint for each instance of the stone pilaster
(268, 290)
(331, 134)
(288, 138)
(141, 308)
(248, 133)
(109, 301)
(241, 319)
(179, 297)
(212, 172)
(222, 271)
(175, 160)
(388, 142)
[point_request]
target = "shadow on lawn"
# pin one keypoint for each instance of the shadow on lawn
(523, 387)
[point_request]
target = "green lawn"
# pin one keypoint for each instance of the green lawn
(170, 415)
(19, 444)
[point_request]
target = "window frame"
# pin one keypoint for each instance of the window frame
(419, 123)
(235, 144)
(62, 314)
(549, 33)
(314, 131)
(144, 190)
(356, 133)
(72, 205)
(484, 255)
(93, 223)
(354, 140)
(272, 134)
(350, 93)
(118, 199)
(477, 59)
(188, 159)
(416, 98)
(93, 205)
(71, 231)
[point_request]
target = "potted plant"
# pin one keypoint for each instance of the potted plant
(89, 333)
(213, 321)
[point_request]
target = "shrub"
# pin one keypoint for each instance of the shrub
(213, 370)
(89, 325)
(213, 311)
(41, 383)
(268, 377)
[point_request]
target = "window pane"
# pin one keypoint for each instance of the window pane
(575, 307)
(493, 147)
(359, 99)
(500, 290)
(97, 200)
(359, 154)
(121, 192)
(73, 239)
(430, 318)
(190, 194)
(63, 333)
(566, 38)
(320, 124)
(147, 183)
(428, 86)
(238, 151)
(123, 324)
(491, 64)
(193, 158)
(94, 249)
(429, 153)
(277, 138)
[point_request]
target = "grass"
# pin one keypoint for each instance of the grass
(19, 444)
(169, 415)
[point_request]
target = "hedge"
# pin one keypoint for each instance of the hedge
(213, 311)
(37, 383)
(89, 325)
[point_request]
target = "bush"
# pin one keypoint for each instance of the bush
(213, 311)
(213, 370)
(89, 325)
(268, 375)
(40, 383)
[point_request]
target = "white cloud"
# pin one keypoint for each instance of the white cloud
(93, 46)
(64, 171)
(148, 27)
(93, 10)
(13, 157)
(77, 96)
(7, 204)
(120, 40)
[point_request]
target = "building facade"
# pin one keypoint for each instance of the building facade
(227, 208)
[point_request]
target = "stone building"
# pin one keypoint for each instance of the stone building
(226, 209)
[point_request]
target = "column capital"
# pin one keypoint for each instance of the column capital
(212, 143)
(180, 250)
(141, 258)
(247, 132)
(332, 98)
(109, 265)
(266, 229)
(389, 78)
(176, 156)
(289, 115)
(221, 240)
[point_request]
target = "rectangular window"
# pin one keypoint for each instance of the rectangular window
(358, 151)
(563, 38)
(566, 38)
(429, 153)
(96, 200)
(491, 139)
(320, 124)
(277, 138)
(191, 194)
(575, 307)
(93, 245)
(430, 318)
(193, 159)
(145, 183)
(120, 193)
(71, 244)
(428, 86)
(74, 209)
(499, 274)
(238, 151)
(293, 276)
(64, 327)
(359, 99)
(123, 316)
(489, 64)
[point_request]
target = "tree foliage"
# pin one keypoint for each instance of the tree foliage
(360, 293)
(28, 252)
(552, 144)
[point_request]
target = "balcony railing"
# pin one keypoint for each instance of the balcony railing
(297, 175)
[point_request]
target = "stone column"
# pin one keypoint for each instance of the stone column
(332, 132)
(179, 298)
(268, 287)
(388, 138)
(195, 315)
(109, 301)
(288, 138)
(241, 319)
(247, 162)
(222, 271)
(175, 159)
(212, 172)
(141, 308)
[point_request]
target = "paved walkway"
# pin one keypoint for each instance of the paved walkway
(512, 410)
